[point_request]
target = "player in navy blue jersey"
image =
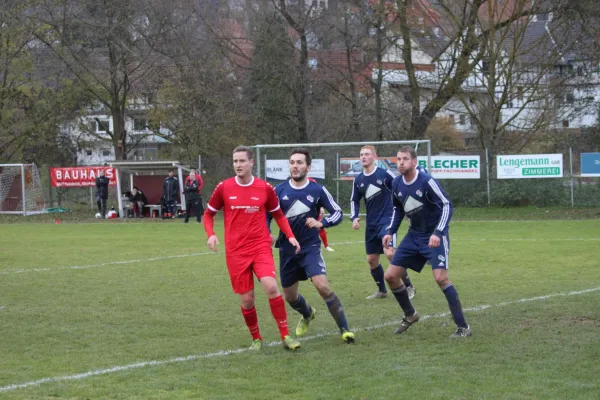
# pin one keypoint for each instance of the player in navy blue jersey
(374, 184)
(301, 200)
(419, 197)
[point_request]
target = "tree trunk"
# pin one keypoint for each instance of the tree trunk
(378, 82)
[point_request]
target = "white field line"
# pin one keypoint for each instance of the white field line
(220, 353)
(26, 270)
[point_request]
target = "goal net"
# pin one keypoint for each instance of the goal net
(21, 190)
(334, 165)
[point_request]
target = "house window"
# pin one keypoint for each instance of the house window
(509, 104)
(98, 126)
(140, 124)
(106, 153)
(485, 68)
(451, 117)
(570, 98)
(462, 119)
(565, 123)
(558, 99)
(520, 93)
(88, 152)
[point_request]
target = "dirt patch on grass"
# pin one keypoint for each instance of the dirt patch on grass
(582, 320)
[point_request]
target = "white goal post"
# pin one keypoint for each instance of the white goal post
(330, 159)
(21, 190)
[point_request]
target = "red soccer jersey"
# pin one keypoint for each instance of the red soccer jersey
(244, 211)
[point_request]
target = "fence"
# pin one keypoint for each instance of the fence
(340, 164)
(569, 189)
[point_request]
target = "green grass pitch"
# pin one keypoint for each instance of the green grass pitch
(111, 310)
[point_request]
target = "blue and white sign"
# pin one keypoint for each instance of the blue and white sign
(590, 164)
(280, 169)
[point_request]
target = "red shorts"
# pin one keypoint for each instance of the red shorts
(241, 268)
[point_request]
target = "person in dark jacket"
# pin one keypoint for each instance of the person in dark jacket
(102, 192)
(193, 197)
(170, 190)
(138, 201)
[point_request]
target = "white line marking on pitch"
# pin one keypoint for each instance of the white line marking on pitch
(26, 270)
(154, 363)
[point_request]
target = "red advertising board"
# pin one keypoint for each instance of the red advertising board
(80, 176)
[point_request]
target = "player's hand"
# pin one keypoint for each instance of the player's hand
(313, 223)
(295, 243)
(273, 240)
(434, 241)
(355, 223)
(213, 242)
(387, 239)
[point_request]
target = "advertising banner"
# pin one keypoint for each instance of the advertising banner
(80, 176)
(442, 167)
(590, 164)
(530, 166)
(280, 169)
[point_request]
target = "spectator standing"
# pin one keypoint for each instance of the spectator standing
(102, 192)
(170, 190)
(193, 196)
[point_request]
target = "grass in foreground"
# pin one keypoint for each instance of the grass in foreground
(57, 320)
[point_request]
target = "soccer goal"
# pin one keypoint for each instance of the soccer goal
(334, 164)
(21, 190)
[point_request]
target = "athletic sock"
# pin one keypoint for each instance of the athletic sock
(337, 311)
(401, 296)
(251, 319)
(455, 306)
(377, 275)
(278, 310)
(301, 306)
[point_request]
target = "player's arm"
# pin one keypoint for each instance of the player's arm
(355, 205)
(437, 196)
(397, 216)
(275, 210)
(389, 178)
(214, 204)
(335, 211)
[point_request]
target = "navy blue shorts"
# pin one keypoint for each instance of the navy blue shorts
(300, 267)
(414, 252)
(373, 238)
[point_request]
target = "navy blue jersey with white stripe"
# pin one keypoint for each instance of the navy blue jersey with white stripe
(300, 203)
(424, 202)
(376, 189)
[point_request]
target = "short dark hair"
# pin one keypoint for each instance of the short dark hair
(303, 151)
(247, 149)
(408, 149)
(136, 188)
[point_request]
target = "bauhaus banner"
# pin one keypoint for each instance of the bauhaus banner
(80, 176)
(530, 166)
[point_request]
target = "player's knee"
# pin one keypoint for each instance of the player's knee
(290, 297)
(247, 300)
(392, 276)
(442, 281)
(323, 289)
(373, 260)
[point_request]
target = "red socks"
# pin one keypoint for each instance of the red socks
(252, 322)
(323, 236)
(278, 310)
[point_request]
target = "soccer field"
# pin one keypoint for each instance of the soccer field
(143, 311)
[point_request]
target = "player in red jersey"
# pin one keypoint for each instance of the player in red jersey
(244, 200)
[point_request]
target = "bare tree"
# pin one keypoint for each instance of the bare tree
(107, 46)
